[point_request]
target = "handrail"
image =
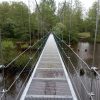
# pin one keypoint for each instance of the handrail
(19, 74)
(74, 52)
(30, 58)
(76, 73)
(26, 80)
(91, 69)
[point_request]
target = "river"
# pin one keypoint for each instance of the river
(85, 51)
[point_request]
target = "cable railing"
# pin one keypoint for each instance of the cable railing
(73, 51)
(22, 87)
(83, 85)
(90, 68)
(40, 44)
(13, 63)
(25, 51)
(76, 90)
(90, 76)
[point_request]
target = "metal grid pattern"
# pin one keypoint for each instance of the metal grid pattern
(49, 81)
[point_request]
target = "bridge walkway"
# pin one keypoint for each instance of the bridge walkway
(49, 80)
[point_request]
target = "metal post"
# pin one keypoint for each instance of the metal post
(95, 38)
(2, 65)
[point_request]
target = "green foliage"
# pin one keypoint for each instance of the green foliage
(70, 20)
(8, 52)
(46, 16)
(8, 29)
(14, 19)
(90, 20)
(64, 20)
(7, 44)
(84, 35)
(60, 28)
(21, 61)
(25, 37)
(25, 46)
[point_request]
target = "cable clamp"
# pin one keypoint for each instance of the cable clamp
(30, 46)
(2, 66)
(94, 68)
(68, 57)
(3, 91)
(91, 94)
(30, 58)
(69, 45)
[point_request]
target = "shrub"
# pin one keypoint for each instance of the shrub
(9, 51)
(21, 61)
(25, 37)
(7, 44)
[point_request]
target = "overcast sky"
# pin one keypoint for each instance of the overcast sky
(86, 3)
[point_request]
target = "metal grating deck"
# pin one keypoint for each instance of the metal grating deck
(49, 80)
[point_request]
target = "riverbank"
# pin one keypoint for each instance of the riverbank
(86, 37)
(10, 51)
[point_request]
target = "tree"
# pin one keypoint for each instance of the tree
(19, 14)
(91, 19)
(9, 29)
(71, 18)
(4, 13)
(63, 14)
(46, 14)
(14, 19)
(77, 17)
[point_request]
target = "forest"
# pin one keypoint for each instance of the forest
(18, 21)
(14, 19)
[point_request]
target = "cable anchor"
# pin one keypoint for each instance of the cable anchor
(2, 66)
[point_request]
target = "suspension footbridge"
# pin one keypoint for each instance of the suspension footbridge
(50, 76)
(53, 74)
(49, 79)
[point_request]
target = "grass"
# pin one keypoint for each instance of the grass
(84, 35)
(24, 46)
(8, 44)
(8, 51)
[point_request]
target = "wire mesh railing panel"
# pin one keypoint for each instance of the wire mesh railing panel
(24, 62)
(81, 74)
(52, 81)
